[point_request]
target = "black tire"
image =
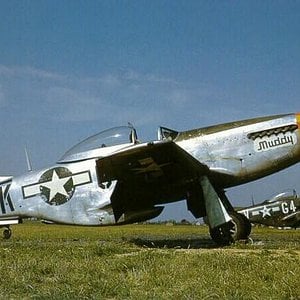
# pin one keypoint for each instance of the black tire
(247, 224)
(241, 226)
(238, 229)
(222, 234)
(7, 233)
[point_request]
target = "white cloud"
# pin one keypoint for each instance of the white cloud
(26, 71)
(109, 97)
(143, 99)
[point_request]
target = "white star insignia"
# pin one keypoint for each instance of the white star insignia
(265, 212)
(56, 186)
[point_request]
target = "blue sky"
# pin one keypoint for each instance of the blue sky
(69, 69)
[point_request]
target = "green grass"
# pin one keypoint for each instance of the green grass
(146, 262)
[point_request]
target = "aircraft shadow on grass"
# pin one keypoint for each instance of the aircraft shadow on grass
(180, 243)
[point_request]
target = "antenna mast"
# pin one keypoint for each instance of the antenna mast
(29, 165)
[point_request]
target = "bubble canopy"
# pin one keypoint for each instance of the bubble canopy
(97, 144)
(284, 194)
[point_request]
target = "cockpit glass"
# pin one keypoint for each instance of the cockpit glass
(111, 137)
(284, 194)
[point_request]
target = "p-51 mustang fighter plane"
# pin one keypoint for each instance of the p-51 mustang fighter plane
(112, 178)
(283, 210)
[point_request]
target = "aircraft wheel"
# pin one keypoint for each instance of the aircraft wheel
(7, 233)
(238, 229)
(241, 227)
(247, 225)
(222, 234)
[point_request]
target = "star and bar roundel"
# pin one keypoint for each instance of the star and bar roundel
(56, 186)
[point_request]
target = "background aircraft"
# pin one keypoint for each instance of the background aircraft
(113, 178)
(283, 210)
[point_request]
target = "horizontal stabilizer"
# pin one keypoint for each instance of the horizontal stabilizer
(10, 221)
(4, 179)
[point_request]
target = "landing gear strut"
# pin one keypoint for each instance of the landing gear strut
(7, 233)
(237, 229)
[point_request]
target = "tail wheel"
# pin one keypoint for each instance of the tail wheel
(237, 229)
(7, 233)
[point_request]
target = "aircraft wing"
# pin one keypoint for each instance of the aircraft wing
(149, 174)
(293, 218)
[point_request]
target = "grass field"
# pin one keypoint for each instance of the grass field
(146, 262)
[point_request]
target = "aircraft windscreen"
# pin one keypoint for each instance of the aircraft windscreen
(111, 137)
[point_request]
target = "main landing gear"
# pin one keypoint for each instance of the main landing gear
(237, 229)
(7, 233)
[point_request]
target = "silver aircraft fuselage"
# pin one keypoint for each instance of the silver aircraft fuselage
(243, 151)
(73, 191)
